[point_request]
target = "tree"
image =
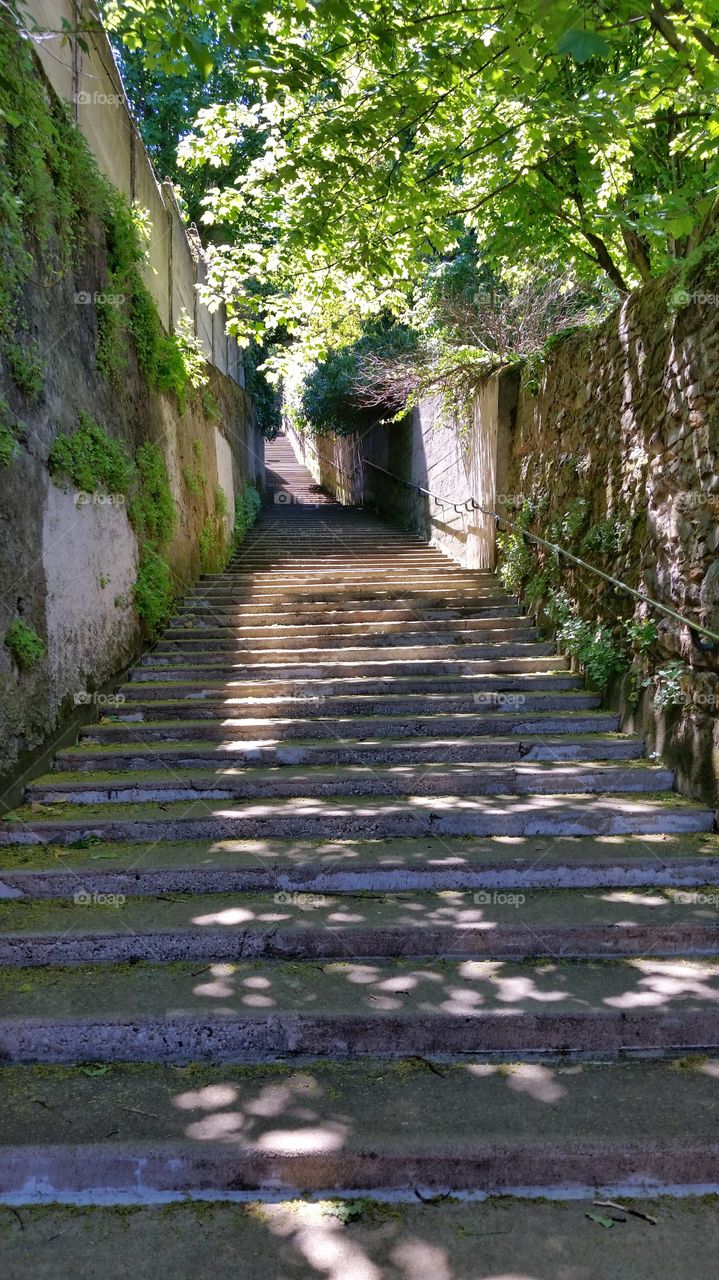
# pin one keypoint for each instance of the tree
(378, 134)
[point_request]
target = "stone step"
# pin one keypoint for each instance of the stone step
(336, 751)
(215, 640)
(517, 864)
(373, 1124)
(495, 924)
(276, 731)
(219, 662)
(350, 668)
(408, 816)
(498, 693)
(245, 653)
(314, 782)
(307, 614)
(170, 1012)
(341, 631)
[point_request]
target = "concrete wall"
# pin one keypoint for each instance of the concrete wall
(423, 449)
(88, 79)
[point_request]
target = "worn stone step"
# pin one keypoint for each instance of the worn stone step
(221, 658)
(313, 782)
(336, 751)
(687, 861)
(503, 693)
(307, 614)
(545, 1125)
(409, 816)
(341, 631)
(221, 640)
(339, 1009)
(495, 924)
(277, 730)
(357, 669)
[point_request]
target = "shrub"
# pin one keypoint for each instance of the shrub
(25, 644)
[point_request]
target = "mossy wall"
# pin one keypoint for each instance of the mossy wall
(615, 455)
(105, 474)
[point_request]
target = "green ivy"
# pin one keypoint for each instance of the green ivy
(594, 648)
(25, 644)
(153, 591)
(152, 507)
(247, 509)
(668, 690)
(214, 541)
(91, 459)
(10, 432)
(26, 370)
(193, 481)
(605, 538)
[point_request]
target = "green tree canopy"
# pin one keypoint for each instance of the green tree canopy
(374, 136)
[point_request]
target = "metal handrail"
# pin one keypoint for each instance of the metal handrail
(472, 505)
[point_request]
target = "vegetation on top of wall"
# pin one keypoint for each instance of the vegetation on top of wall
(25, 644)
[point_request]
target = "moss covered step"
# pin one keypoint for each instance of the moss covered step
(687, 861)
(278, 730)
(477, 779)
(230, 1011)
(497, 924)
(373, 1124)
(366, 817)
(335, 751)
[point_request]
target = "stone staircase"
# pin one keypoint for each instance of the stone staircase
(359, 889)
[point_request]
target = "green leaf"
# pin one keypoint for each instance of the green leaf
(583, 45)
(598, 1217)
(680, 225)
